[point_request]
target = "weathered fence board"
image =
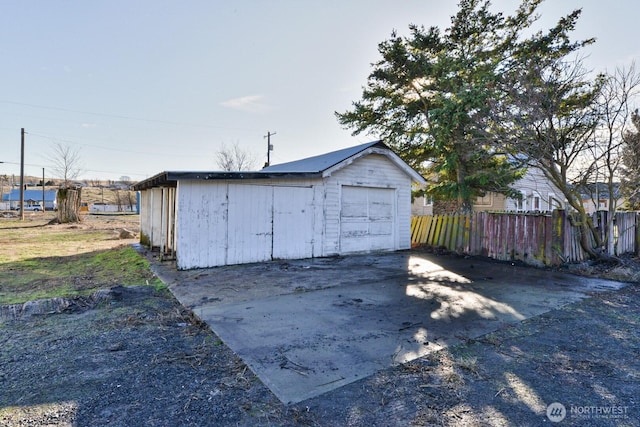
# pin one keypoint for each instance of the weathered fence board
(625, 232)
(537, 239)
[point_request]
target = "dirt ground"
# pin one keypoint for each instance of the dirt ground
(135, 357)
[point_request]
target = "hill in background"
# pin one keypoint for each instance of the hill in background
(93, 191)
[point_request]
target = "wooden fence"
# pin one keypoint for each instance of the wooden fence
(537, 239)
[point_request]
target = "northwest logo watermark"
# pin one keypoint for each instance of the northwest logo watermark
(556, 412)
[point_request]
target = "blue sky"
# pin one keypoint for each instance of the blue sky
(142, 86)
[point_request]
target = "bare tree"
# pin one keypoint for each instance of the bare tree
(66, 165)
(234, 159)
(606, 155)
(630, 170)
(553, 126)
(131, 199)
(65, 162)
(118, 199)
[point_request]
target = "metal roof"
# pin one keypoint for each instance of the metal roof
(318, 164)
(599, 189)
(311, 167)
(14, 195)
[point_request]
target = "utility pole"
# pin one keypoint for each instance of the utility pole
(43, 201)
(22, 174)
(269, 147)
(2, 189)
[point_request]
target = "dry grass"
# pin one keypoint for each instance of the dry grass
(33, 237)
(38, 260)
(108, 196)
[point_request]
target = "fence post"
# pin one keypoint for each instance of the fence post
(558, 221)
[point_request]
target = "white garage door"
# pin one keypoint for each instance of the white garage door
(367, 219)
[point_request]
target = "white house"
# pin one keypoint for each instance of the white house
(596, 197)
(538, 194)
(353, 200)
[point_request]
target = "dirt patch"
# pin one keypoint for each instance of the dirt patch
(93, 233)
(135, 358)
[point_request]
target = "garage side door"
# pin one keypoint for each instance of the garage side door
(292, 222)
(249, 232)
(367, 218)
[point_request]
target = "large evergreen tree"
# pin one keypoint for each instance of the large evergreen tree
(430, 98)
(452, 102)
(477, 103)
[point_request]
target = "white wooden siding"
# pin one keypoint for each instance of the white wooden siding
(167, 239)
(146, 213)
(201, 225)
(331, 218)
(534, 184)
(155, 233)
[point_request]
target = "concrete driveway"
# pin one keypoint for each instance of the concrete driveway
(310, 326)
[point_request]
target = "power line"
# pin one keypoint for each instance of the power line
(123, 117)
(38, 165)
(111, 149)
(146, 153)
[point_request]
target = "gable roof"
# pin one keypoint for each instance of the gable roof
(599, 189)
(328, 163)
(317, 164)
(312, 167)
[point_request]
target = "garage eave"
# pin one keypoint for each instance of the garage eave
(171, 178)
(158, 180)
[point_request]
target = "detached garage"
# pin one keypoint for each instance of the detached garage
(347, 201)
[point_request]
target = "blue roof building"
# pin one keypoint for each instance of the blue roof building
(35, 196)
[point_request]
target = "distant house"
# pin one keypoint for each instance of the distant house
(347, 201)
(538, 194)
(597, 197)
(31, 197)
(420, 205)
